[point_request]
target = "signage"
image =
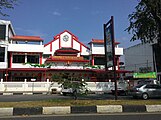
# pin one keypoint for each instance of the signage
(109, 43)
(145, 75)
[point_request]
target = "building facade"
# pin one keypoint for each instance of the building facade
(143, 58)
(26, 57)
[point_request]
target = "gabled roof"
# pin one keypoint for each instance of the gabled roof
(26, 38)
(73, 36)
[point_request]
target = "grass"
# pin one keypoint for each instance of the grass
(59, 102)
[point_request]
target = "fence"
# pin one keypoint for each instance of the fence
(27, 87)
(47, 87)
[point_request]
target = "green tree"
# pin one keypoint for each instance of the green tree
(6, 4)
(145, 22)
(71, 81)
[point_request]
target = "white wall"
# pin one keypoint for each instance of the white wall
(61, 65)
(137, 56)
(76, 45)
(85, 51)
(99, 49)
(25, 48)
(55, 46)
(46, 87)
(66, 43)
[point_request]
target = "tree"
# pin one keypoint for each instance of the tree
(72, 82)
(6, 4)
(145, 22)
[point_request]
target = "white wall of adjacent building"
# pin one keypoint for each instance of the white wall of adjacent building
(99, 49)
(137, 56)
(25, 48)
(4, 43)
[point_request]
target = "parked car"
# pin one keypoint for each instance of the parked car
(122, 88)
(146, 91)
(147, 81)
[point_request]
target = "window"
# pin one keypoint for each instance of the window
(2, 31)
(99, 60)
(46, 55)
(2, 54)
(33, 59)
(98, 45)
(18, 58)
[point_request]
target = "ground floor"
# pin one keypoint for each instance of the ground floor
(42, 74)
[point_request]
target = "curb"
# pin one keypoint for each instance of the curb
(23, 93)
(79, 109)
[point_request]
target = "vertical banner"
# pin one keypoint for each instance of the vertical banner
(109, 51)
(109, 44)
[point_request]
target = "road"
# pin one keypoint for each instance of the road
(125, 116)
(18, 98)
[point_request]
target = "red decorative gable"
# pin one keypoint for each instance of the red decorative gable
(73, 38)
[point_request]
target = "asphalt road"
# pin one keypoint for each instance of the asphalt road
(18, 98)
(125, 116)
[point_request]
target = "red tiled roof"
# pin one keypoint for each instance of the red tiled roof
(26, 38)
(66, 50)
(66, 59)
(99, 41)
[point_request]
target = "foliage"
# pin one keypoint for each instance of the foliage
(145, 22)
(92, 66)
(68, 80)
(7, 4)
(38, 65)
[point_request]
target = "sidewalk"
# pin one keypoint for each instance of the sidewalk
(79, 109)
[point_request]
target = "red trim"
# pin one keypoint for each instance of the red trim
(118, 61)
(67, 60)
(72, 42)
(29, 53)
(80, 48)
(55, 38)
(10, 60)
(27, 69)
(40, 59)
(98, 55)
(92, 60)
(59, 43)
(73, 38)
(81, 44)
(50, 47)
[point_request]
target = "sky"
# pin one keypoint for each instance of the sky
(83, 18)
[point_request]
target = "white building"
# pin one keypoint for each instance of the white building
(143, 58)
(25, 57)
(139, 56)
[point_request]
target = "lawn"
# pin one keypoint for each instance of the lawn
(59, 102)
